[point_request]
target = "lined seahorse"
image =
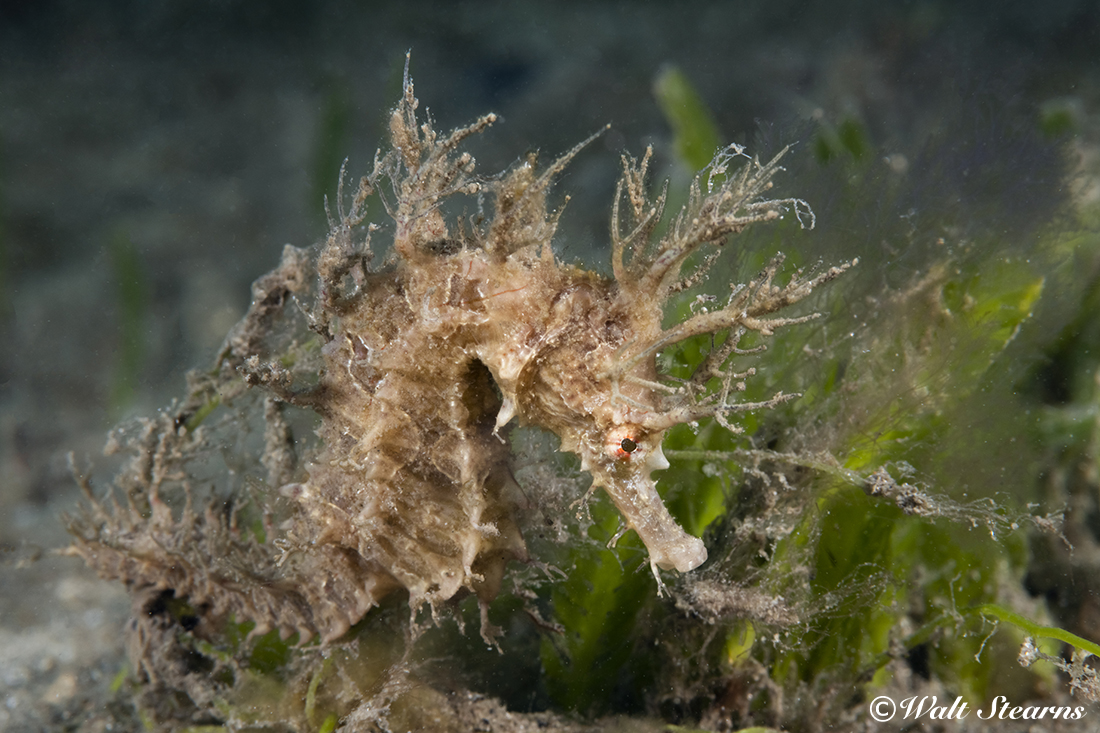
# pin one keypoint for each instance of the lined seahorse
(467, 326)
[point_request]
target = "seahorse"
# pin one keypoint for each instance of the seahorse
(470, 325)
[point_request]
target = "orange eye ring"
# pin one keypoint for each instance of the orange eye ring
(624, 443)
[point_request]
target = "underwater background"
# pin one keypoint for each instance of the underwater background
(156, 156)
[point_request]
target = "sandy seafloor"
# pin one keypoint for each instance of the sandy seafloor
(197, 132)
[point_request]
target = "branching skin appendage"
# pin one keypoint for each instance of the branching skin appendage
(431, 355)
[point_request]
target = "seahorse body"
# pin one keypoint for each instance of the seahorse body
(427, 368)
(469, 324)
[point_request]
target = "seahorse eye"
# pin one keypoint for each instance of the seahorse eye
(625, 443)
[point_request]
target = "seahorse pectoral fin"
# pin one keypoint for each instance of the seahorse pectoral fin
(507, 412)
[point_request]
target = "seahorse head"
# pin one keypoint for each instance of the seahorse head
(567, 389)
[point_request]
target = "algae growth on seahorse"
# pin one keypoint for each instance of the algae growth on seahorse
(432, 348)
